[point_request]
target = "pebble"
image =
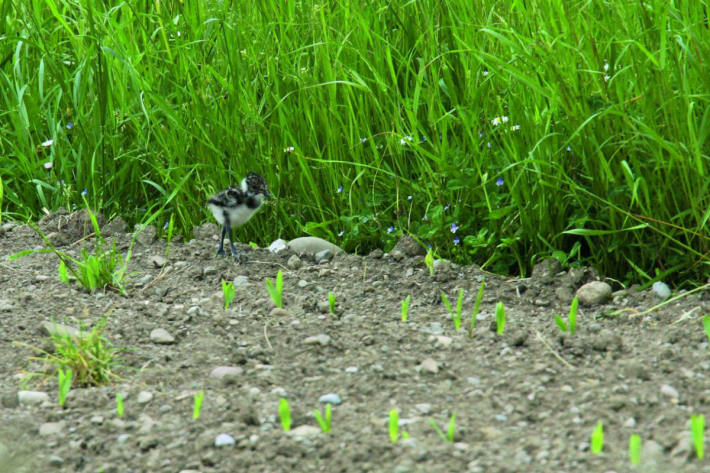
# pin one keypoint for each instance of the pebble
(670, 392)
(144, 397)
(59, 330)
(304, 432)
(409, 246)
(546, 269)
(320, 339)
(330, 398)
(158, 261)
(661, 290)
(351, 369)
(312, 245)
(323, 256)
(279, 312)
(56, 461)
(228, 374)
(51, 428)
(161, 336)
(277, 246)
(429, 366)
(224, 440)
(423, 408)
(32, 397)
(294, 262)
(593, 293)
(123, 438)
(6, 305)
(98, 420)
(240, 281)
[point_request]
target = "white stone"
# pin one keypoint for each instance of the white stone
(661, 290)
(32, 397)
(277, 246)
(224, 440)
(330, 398)
(161, 336)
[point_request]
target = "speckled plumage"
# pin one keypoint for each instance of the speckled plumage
(236, 205)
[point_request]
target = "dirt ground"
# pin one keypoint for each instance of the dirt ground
(525, 401)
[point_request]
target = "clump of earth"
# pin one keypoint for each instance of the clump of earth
(525, 400)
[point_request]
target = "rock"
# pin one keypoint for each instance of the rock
(224, 440)
(651, 453)
(377, 253)
(323, 307)
(117, 226)
(683, 448)
(312, 245)
(144, 397)
(56, 461)
(564, 294)
(491, 433)
(228, 374)
(323, 256)
(279, 312)
(9, 400)
(161, 336)
(408, 246)
(147, 443)
(157, 261)
(277, 246)
(546, 269)
(607, 341)
(429, 366)
(330, 398)
(670, 392)
(320, 339)
(240, 281)
(31, 398)
(205, 231)
(661, 290)
(441, 265)
(51, 428)
(294, 262)
(593, 293)
(60, 330)
(304, 432)
(424, 408)
(6, 305)
(145, 235)
(123, 438)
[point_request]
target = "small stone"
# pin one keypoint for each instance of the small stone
(441, 265)
(491, 433)
(240, 281)
(593, 293)
(408, 246)
(51, 428)
(351, 369)
(147, 443)
(424, 408)
(320, 339)
(279, 312)
(294, 262)
(29, 398)
(377, 253)
(429, 366)
(98, 420)
(670, 392)
(330, 398)
(56, 461)
(323, 256)
(116, 226)
(228, 374)
(323, 307)
(444, 341)
(54, 329)
(224, 440)
(161, 336)
(304, 432)
(123, 438)
(158, 261)
(6, 305)
(145, 235)
(661, 290)
(546, 269)
(144, 397)
(312, 245)
(277, 246)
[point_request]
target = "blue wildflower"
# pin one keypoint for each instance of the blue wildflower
(454, 227)
(456, 240)
(409, 197)
(500, 182)
(166, 225)
(446, 207)
(340, 189)
(340, 233)
(390, 229)
(70, 125)
(85, 191)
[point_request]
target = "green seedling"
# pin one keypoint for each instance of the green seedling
(476, 308)
(285, 414)
(500, 318)
(597, 440)
(254, 245)
(571, 324)
(119, 405)
(331, 302)
(429, 261)
(455, 316)
(706, 325)
(697, 433)
(65, 378)
(276, 289)
(227, 293)
(393, 425)
(449, 436)
(197, 405)
(635, 449)
(405, 307)
(323, 421)
(169, 235)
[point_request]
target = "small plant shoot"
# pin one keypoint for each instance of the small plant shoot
(500, 318)
(476, 308)
(405, 307)
(571, 324)
(119, 405)
(197, 404)
(697, 433)
(597, 440)
(393, 425)
(450, 432)
(635, 449)
(276, 289)
(65, 378)
(227, 293)
(429, 261)
(331, 302)
(323, 420)
(706, 325)
(285, 414)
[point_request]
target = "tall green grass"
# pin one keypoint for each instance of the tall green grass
(152, 105)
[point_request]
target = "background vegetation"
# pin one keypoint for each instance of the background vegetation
(499, 131)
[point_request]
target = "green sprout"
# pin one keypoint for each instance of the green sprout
(276, 289)
(394, 425)
(65, 378)
(500, 318)
(323, 421)
(476, 308)
(227, 293)
(119, 405)
(456, 316)
(449, 436)
(169, 236)
(331, 302)
(405, 307)
(706, 325)
(598, 439)
(285, 414)
(571, 323)
(635, 449)
(429, 261)
(254, 245)
(697, 433)
(197, 405)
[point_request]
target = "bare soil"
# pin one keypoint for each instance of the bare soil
(527, 400)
